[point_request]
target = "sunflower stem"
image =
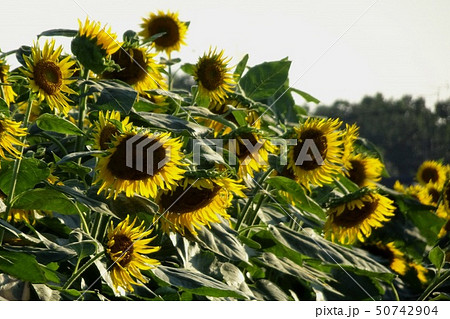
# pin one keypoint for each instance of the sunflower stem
(83, 268)
(56, 141)
(434, 285)
(170, 80)
(83, 222)
(397, 297)
(18, 160)
(245, 210)
(82, 112)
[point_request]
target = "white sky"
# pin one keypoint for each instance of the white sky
(397, 47)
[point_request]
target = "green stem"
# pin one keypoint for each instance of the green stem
(82, 112)
(247, 206)
(397, 297)
(84, 224)
(170, 80)
(56, 141)
(77, 274)
(434, 285)
(18, 160)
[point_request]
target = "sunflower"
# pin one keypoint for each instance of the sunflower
(420, 271)
(196, 203)
(126, 246)
(355, 219)
(446, 196)
(395, 257)
(7, 93)
(140, 163)
(49, 77)
(9, 130)
(103, 38)
(213, 76)
(351, 134)
(168, 23)
(22, 215)
(138, 68)
(431, 172)
(223, 108)
(364, 170)
(326, 139)
(105, 129)
(252, 150)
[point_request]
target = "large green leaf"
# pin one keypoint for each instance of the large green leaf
(297, 192)
(263, 80)
(21, 266)
(240, 67)
(31, 172)
(54, 123)
(59, 33)
(114, 95)
(196, 282)
(169, 122)
(306, 96)
(223, 240)
(46, 199)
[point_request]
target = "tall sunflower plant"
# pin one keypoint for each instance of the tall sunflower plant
(129, 174)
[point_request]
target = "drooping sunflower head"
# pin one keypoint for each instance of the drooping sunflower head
(49, 76)
(355, 219)
(213, 75)
(223, 108)
(9, 131)
(140, 163)
(317, 156)
(174, 31)
(103, 38)
(431, 172)
(391, 254)
(364, 170)
(6, 90)
(108, 126)
(138, 68)
(252, 151)
(196, 203)
(126, 248)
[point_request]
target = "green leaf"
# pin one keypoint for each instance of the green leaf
(22, 266)
(54, 123)
(83, 247)
(240, 67)
(223, 240)
(45, 199)
(437, 257)
(76, 155)
(297, 192)
(31, 172)
(263, 80)
(114, 95)
(188, 68)
(59, 33)
(24, 50)
(91, 55)
(306, 96)
(196, 282)
(123, 205)
(170, 122)
(74, 168)
(4, 109)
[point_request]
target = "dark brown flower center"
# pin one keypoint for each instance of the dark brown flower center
(133, 66)
(122, 245)
(245, 144)
(167, 25)
(435, 194)
(151, 154)
(210, 74)
(183, 201)
(320, 142)
(381, 251)
(357, 173)
(48, 76)
(106, 135)
(350, 218)
(430, 174)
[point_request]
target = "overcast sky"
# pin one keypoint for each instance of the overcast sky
(340, 49)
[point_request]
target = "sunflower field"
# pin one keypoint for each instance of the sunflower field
(118, 182)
